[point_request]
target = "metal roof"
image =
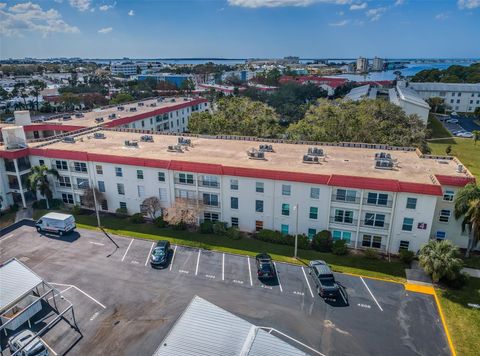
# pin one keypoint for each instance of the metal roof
(460, 87)
(205, 329)
(16, 281)
(361, 92)
(411, 96)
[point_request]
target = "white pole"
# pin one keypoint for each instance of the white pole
(296, 231)
(96, 207)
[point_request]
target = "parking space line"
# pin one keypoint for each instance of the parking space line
(278, 277)
(250, 271)
(373, 297)
(308, 283)
(223, 267)
(149, 253)
(128, 248)
(89, 296)
(60, 292)
(198, 261)
(171, 263)
(7, 237)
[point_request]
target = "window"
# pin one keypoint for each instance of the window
(440, 235)
(343, 216)
(207, 216)
(313, 212)
(377, 199)
(61, 165)
(286, 209)
(41, 162)
(259, 188)
(123, 205)
(120, 189)
(314, 193)
(372, 241)
(104, 205)
(404, 245)
(411, 203)
(259, 206)
(341, 235)
(101, 186)
(284, 229)
(346, 195)
(448, 195)
(139, 174)
(234, 202)
(407, 224)
(67, 198)
(82, 183)
(286, 189)
(99, 169)
(161, 176)
(444, 215)
(118, 172)
(80, 167)
(377, 220)
(210, 181)
(258, 225)
(64, 181)
(162, 194)
(210, 199)
(141, 191)
(311, 233)
(234, 184)
(234, 221)
(185, 178)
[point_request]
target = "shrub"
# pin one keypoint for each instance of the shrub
(137, 218)
(121, 212)
(406, 256)
(322, 241)
(219, 228)
(76, 210)
(272, 236)
(182, 225)
(458, 282)
(14, 208)
(302, 241)
(339, 247)
(439, 260)
(159, 222)
(206, 227)
(371, 254)
(233, 233)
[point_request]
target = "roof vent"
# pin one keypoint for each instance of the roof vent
(310, 159)
(131, 143)
(266, 148)
(315, 151)
(173, 100)
(146, 138)
(153, 105)
(159, 100)
(120, 108)
(69, 139)
(79, 115)
(174, 148)
(112, 116)
(184, 141)
(99, 119)
(99, 135)
(253, 153)
(132, 109)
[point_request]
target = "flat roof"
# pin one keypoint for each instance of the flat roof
(224, 152)
(16, 281)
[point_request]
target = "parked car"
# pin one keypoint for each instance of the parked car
(159, 255)
(452, 121)
(35, 347)
(265, 266)
(454, 113)
(56, 222)
(9, 120)
(465, 134)
(327, 287)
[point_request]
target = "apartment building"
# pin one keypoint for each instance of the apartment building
(378, 64)
(133, 68)
(459, 97)
(375, 196)
(362, 65)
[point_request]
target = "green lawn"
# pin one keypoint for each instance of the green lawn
(437, 129)
(462, 320)
(472, 262)
(356, 264)
(7, 219)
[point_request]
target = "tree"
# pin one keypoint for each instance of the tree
(37, 87)
(448, 149)
(476, 135)
(187, 85)
(69, 101)
(184, 211)
(435, 103)
(439, 260)
(39, 181)
(121, 98)
(477, 111)
(20, 89)
(152, 206)
(467, 207)
(89, 198)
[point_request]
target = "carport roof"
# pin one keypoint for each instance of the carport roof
(16, 281)
(206, 329)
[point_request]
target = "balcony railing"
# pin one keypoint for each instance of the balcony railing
(184, 181)
(345, 199)
(78, 169)
(343, 221)
(208, 184)
(63, 185)
(10, 167)
(211, 204)
(379, 203)
(375, 225)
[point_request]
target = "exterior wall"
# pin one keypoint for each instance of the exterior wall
(466, 102)
(411, 108)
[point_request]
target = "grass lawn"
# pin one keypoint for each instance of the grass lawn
(437, 129)
(463, 321)
(7, 219)
(356, 264)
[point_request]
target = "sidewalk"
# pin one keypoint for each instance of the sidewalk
(472, 272)
(24, 213)
(416, 275)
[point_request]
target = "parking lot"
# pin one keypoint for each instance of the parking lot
(123, 306)
(464, 124)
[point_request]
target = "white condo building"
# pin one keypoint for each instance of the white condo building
(362, 65)
(386, 198)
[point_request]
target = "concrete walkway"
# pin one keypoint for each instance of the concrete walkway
(24, 213)
(416, 275)
(472, 272)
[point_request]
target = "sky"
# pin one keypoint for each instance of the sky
(240, 28)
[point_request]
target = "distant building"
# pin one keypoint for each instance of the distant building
(378, 64)
(175, 79)
(362, 65)
(132, 68)
(409, 101)
(457, 96)
(327, 83)
(243, 75)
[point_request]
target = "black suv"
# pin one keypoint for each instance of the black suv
(159, 256)
(324, 279)
(265, 266)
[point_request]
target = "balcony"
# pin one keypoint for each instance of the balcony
(78, 169)
(184, 181)
(375, 225)
(345, 199)
(349, 222)
(209, 184)
(63, 186)
(379, 203)
(22, 166)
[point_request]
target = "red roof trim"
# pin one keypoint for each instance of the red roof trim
(454, 181)
(47, 127)
(389, 185)
(14, 154)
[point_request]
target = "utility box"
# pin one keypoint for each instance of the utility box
(14, 137)
(22, 117)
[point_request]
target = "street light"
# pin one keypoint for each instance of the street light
(295, 208)
(87, 183)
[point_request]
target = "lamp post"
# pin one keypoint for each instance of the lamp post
(296, 230)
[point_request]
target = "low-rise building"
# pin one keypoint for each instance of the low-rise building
(409, 101)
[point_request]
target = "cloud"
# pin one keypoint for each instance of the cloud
(468, 4)
(104, 31)
(131, 13)
(399, 2)
(442, 16)
(253, 4)
(30, 17)
(107, 7)
(361, 6)
(340, 23)
(376, 14)
(80, 5)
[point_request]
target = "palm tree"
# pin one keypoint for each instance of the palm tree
(467, 206)
(476, 136)
(439, 260)
(38, 180)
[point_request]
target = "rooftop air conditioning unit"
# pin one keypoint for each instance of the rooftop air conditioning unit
(159, 100)
(255, 154)
(153, 105)
(383, 155)
(69, 139)
(120, 108)
(174, 148)
(184, 141)
(310, 159)
(266, 148)
(146, 138)
(99, 135)
(460, 168)
(112, 116)
(99, 119)
(384, 164)
(66, 117)
(172, 100)
(131, 143)
(315, 151)
(141, 104)
(79, 115)
(133, 109)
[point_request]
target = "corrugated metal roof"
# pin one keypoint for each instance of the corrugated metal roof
(411, 96)
(358, 93)
(445, 87)
(205, 329)
(16, 280)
